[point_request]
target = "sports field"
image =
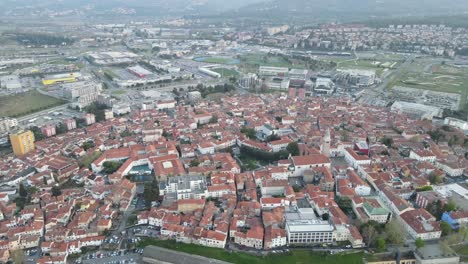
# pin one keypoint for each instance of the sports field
(226, 72)
(217, 60)
(379, 66)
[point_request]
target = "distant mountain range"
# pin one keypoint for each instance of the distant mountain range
(307, 10)
(351, 9)
(145, 7)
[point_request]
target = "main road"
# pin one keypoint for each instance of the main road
(379, 90)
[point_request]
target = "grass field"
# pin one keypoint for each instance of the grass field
(265, 60)
(450, 70)
(118, 92)
(226, 72)
(428, 74)
(217, 60)
(26, 103)
(378, 65)
(434, 82)
(294, 257)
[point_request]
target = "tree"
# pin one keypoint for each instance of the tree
(445, 228)
(344, 203)
(151, 191)
(214, 119)
(126, 133)
(249, 132)
(296, 188)
(88, 145)
(344, 135)
(18, 256)
(98, 110)
(419, 243)
(194, 163)
(450, 206)
(111, 166)
(434, 178)
(394, 230)
(436, 209)
(454, 140)
(38, 136)
(436, 135)
(325, 217)
(380, 245)
(61, 129)
(424, 189)
(56, 191)
(293, 149)
(387, 141)
(22, 190)
(463, 232)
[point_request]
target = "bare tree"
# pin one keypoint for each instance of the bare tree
(395, 232)
(369, 234)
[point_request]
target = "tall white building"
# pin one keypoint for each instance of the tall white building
(82, 93)
(6, 124)
(360, 77)
(249, 80)
(184, 187)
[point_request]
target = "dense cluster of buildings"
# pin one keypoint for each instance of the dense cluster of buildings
(211, 199)
(438, 40)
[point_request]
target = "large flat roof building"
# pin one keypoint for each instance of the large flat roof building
(273, 71)
(415, 110)
(61, 78)
(304, 227)
(184, 187)
(10, 82)
(82, 93)
(139, 71)
(359, 77)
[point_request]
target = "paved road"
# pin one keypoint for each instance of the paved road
(130, 258)
(44, 112)
(389, 77)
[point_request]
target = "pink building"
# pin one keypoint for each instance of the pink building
(48, 130)
(70, 123)
(90, 119)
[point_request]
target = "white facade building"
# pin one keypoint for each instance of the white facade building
(303, 227)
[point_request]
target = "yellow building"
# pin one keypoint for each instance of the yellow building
(59, 80)
(22, 142)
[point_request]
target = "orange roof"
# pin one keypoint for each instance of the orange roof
(310, 160)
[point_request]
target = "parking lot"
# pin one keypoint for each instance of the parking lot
(115, 257)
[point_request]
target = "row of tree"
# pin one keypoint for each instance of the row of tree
(269, 157)
(41, 39)
(206, 90)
